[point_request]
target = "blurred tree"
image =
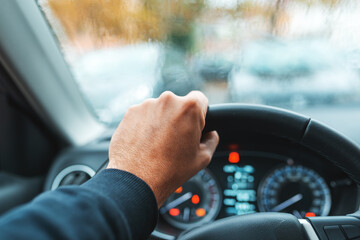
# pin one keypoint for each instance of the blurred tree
(128, 21)
(170, 21)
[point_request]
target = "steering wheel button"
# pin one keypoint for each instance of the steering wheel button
(351, 231)
(334, 233)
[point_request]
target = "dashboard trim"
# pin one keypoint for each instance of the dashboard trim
(70, 169)
(161, 235)
(308, 229)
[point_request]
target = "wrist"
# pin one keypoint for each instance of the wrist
(154, 183)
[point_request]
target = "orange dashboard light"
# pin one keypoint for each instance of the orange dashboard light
(234, 157)
(200, 212)
(310, 214)
(174, 212)
(179, 190)
(195, 199)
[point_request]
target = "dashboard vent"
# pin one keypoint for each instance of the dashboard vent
(73, 175)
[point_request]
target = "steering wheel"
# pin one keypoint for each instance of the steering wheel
(295, 128)
(256, 119)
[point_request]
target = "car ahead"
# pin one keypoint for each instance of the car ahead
(176, 74)
(294, 74)
(212, 68)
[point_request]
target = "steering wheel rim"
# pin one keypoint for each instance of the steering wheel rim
(293, 127)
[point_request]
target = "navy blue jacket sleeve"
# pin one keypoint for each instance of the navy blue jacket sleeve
(112, 205)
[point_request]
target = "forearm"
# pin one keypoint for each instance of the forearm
(112, 205)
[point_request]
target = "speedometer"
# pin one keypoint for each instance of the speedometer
(196, 202)
(295, 189)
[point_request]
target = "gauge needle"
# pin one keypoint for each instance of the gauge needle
(287, 203)
(177, 202)
(297, 214)
(186, 214)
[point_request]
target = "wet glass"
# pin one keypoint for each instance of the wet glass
(293, 54)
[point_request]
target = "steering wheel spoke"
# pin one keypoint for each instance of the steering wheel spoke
(337, 228)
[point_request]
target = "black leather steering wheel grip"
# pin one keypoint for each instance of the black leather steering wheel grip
(259, 226)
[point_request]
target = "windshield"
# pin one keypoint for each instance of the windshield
(292, 54)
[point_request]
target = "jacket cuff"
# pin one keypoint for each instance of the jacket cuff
(131, 194)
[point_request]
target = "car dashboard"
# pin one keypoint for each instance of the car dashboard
(240, 182)
(247, 174)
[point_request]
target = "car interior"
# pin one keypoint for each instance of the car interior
(283, 82)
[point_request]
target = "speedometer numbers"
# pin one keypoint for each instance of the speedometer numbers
(196, 202)
(294, 189)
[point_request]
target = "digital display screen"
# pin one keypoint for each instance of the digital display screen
(239, 179)
(239, 194)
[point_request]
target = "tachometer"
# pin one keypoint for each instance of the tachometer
(196, 202)
(295, 189)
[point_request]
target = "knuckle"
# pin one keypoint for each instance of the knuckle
(196, 92)
(199, 95)
(149, 101)
(131, 110)
(191, 104)
(166, 96)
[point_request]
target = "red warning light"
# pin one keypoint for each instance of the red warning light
(195, 199)
(234, 157)
(174, 212)
(310, 214)
(233, 147)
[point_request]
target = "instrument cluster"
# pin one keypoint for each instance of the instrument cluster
(243, 182)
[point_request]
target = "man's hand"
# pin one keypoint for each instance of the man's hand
(160, 141)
